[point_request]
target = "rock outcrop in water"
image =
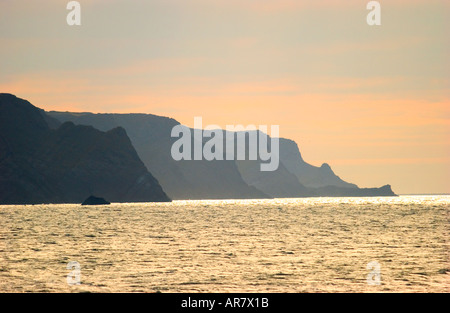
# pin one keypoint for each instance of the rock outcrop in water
(93, 200)
(150, 136)
(68, 163)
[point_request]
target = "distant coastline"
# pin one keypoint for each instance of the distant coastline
(64, 157)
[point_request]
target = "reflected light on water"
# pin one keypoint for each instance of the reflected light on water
(278, 245)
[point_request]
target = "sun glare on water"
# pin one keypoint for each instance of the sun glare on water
(279, 245)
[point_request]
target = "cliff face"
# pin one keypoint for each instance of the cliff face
(309, 175)
(294, 177)
(151, 136)
(68, 163)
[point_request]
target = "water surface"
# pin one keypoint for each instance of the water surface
(281, 245)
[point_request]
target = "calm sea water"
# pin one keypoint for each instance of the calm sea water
(281, 245)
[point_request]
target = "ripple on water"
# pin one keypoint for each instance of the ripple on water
(278, 245)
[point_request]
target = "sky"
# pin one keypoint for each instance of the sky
(371, 101)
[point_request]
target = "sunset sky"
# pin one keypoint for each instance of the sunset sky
(371, 101)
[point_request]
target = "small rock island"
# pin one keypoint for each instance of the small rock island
(92, 200)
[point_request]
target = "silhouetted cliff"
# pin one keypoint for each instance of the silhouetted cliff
(309, 175)
(150, 135)
(294, 177)
(39, 164)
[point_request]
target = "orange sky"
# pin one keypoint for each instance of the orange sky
(373, 102)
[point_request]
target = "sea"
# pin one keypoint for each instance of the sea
(386, 244)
